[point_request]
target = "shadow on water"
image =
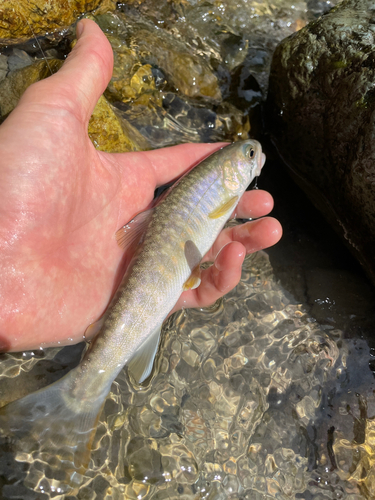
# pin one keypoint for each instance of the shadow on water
(311, 261)
(315, 268)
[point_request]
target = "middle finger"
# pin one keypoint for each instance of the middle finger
(253, 204)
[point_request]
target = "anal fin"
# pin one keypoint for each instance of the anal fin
(141, 363)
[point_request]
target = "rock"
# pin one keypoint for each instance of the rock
(136, 42)
(165, 90)
(179, 120)
(109, 132)
(21, 20)
(19, 59)
(321, 116)
(188, 72)
(3, 66)
(14, 85)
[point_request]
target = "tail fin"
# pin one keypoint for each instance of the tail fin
(53, 426)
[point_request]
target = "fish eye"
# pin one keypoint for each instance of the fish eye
(251, 153)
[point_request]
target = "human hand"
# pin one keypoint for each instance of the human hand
(61, 202)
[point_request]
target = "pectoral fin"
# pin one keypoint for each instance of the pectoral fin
(140, 365)
(192, 254)
(129, 235)
(223, 208)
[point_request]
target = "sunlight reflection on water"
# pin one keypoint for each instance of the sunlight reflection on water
(248, 399)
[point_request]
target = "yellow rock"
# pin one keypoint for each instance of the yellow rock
(356, 461)
(189, 73)
(108, 132)
(144, 47)
(19, 19)
(127, 83)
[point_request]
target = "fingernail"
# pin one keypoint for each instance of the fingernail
(79, 29)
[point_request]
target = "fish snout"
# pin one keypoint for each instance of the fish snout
(261, 162)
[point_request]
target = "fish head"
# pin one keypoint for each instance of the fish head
(252, 151)
(243, 162)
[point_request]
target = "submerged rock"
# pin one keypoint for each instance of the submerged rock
(19, 59)
(321, 115)
(179, 120)
(165, 89)
(138, 42)
(109, 132)
(3, 67)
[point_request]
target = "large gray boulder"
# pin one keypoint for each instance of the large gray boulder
(321, 115)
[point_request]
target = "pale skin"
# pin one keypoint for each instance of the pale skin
(61, 202)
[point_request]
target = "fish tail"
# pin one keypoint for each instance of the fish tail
(53, 426)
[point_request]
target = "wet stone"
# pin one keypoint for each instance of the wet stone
(3, 66)
(20, 19)
(184, 370)
(18, 59)
(17, 81)
(112, 133)
(231, 484)
(203, 340)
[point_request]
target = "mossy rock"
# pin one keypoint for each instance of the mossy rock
(108, 131)
(20, 20)
(321, 115)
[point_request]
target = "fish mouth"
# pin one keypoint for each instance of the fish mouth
(261, 162)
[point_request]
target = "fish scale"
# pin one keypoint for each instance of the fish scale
(169, 243)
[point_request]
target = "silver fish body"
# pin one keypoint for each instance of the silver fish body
(163, 263)
(170, 241)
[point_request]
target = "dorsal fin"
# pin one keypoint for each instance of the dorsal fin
(168, 188)
(128, 236)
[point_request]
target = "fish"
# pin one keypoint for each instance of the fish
(168, 242)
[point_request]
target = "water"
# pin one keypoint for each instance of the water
(268, 394)
(219, 416)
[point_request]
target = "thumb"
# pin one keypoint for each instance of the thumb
(82, 78)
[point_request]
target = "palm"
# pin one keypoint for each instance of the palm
(60, 206)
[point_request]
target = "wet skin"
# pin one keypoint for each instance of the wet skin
(61, 202)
